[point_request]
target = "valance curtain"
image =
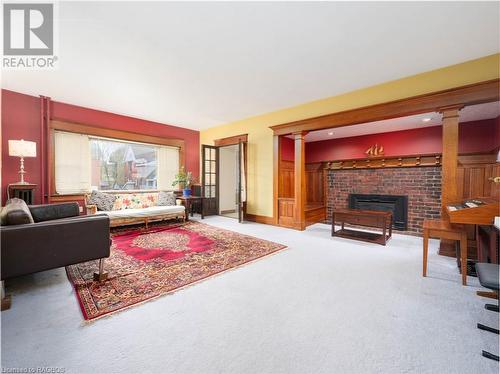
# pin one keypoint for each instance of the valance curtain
(168, 167)
(72, 163)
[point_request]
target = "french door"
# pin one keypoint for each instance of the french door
(210, 179)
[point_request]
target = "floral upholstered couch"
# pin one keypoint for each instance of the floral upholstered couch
(128, 208)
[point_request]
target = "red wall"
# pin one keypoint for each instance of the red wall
(21, 119)
(287, 149)
(477, 136)
(497, 132)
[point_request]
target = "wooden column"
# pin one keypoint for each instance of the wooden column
(300, 181)
(449, 161)
(276, 171)
(449, 165)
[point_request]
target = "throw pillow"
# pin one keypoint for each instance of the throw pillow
(166, 198)
(16, 212)
(103, 201)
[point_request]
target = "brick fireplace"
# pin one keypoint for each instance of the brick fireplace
(422, 185)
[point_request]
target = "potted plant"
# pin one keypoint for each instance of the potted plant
(184, 180)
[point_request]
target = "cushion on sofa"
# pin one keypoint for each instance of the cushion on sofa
(166, 198)
(145, 212)
(49, 212)
(135, 200)
(103, 201)
(15, 212)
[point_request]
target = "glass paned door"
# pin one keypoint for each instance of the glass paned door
(210, 179)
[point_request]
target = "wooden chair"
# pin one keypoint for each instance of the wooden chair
(441, 229)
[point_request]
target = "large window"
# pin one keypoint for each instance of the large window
(123, 166)
(84, 163)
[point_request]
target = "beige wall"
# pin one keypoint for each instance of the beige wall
(260, 137)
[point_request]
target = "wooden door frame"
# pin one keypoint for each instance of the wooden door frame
(231, 140)
(235, 140)
(477, 93)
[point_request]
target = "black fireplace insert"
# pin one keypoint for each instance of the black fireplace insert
(398, 205)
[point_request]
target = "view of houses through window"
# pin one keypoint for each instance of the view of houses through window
(117, 165)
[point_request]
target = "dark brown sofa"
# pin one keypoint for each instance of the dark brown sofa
(44, 237)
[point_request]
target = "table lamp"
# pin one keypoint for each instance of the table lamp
(22, 148)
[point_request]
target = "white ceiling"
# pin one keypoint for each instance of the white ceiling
(199, 65)
(470, 113)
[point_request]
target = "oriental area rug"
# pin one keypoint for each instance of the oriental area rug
(145, 264)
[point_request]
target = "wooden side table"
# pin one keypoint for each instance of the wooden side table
(187, 201)
(24, 192)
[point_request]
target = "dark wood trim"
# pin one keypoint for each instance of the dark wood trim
(477, 93)
(203, 181)
(260, 219)
(232, 140)
(78, 128)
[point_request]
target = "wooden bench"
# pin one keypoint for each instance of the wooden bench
(441, 229)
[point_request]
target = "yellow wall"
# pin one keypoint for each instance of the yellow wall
(260, 137)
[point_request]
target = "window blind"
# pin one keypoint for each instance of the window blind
(72, 163)
(168, 167)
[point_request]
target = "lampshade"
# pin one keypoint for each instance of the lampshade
(498, 156)
(22, 148)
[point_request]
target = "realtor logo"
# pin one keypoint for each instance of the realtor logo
(28, 30)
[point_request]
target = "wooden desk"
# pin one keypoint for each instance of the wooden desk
(187, 201)
(481, 215)
(369, 218)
